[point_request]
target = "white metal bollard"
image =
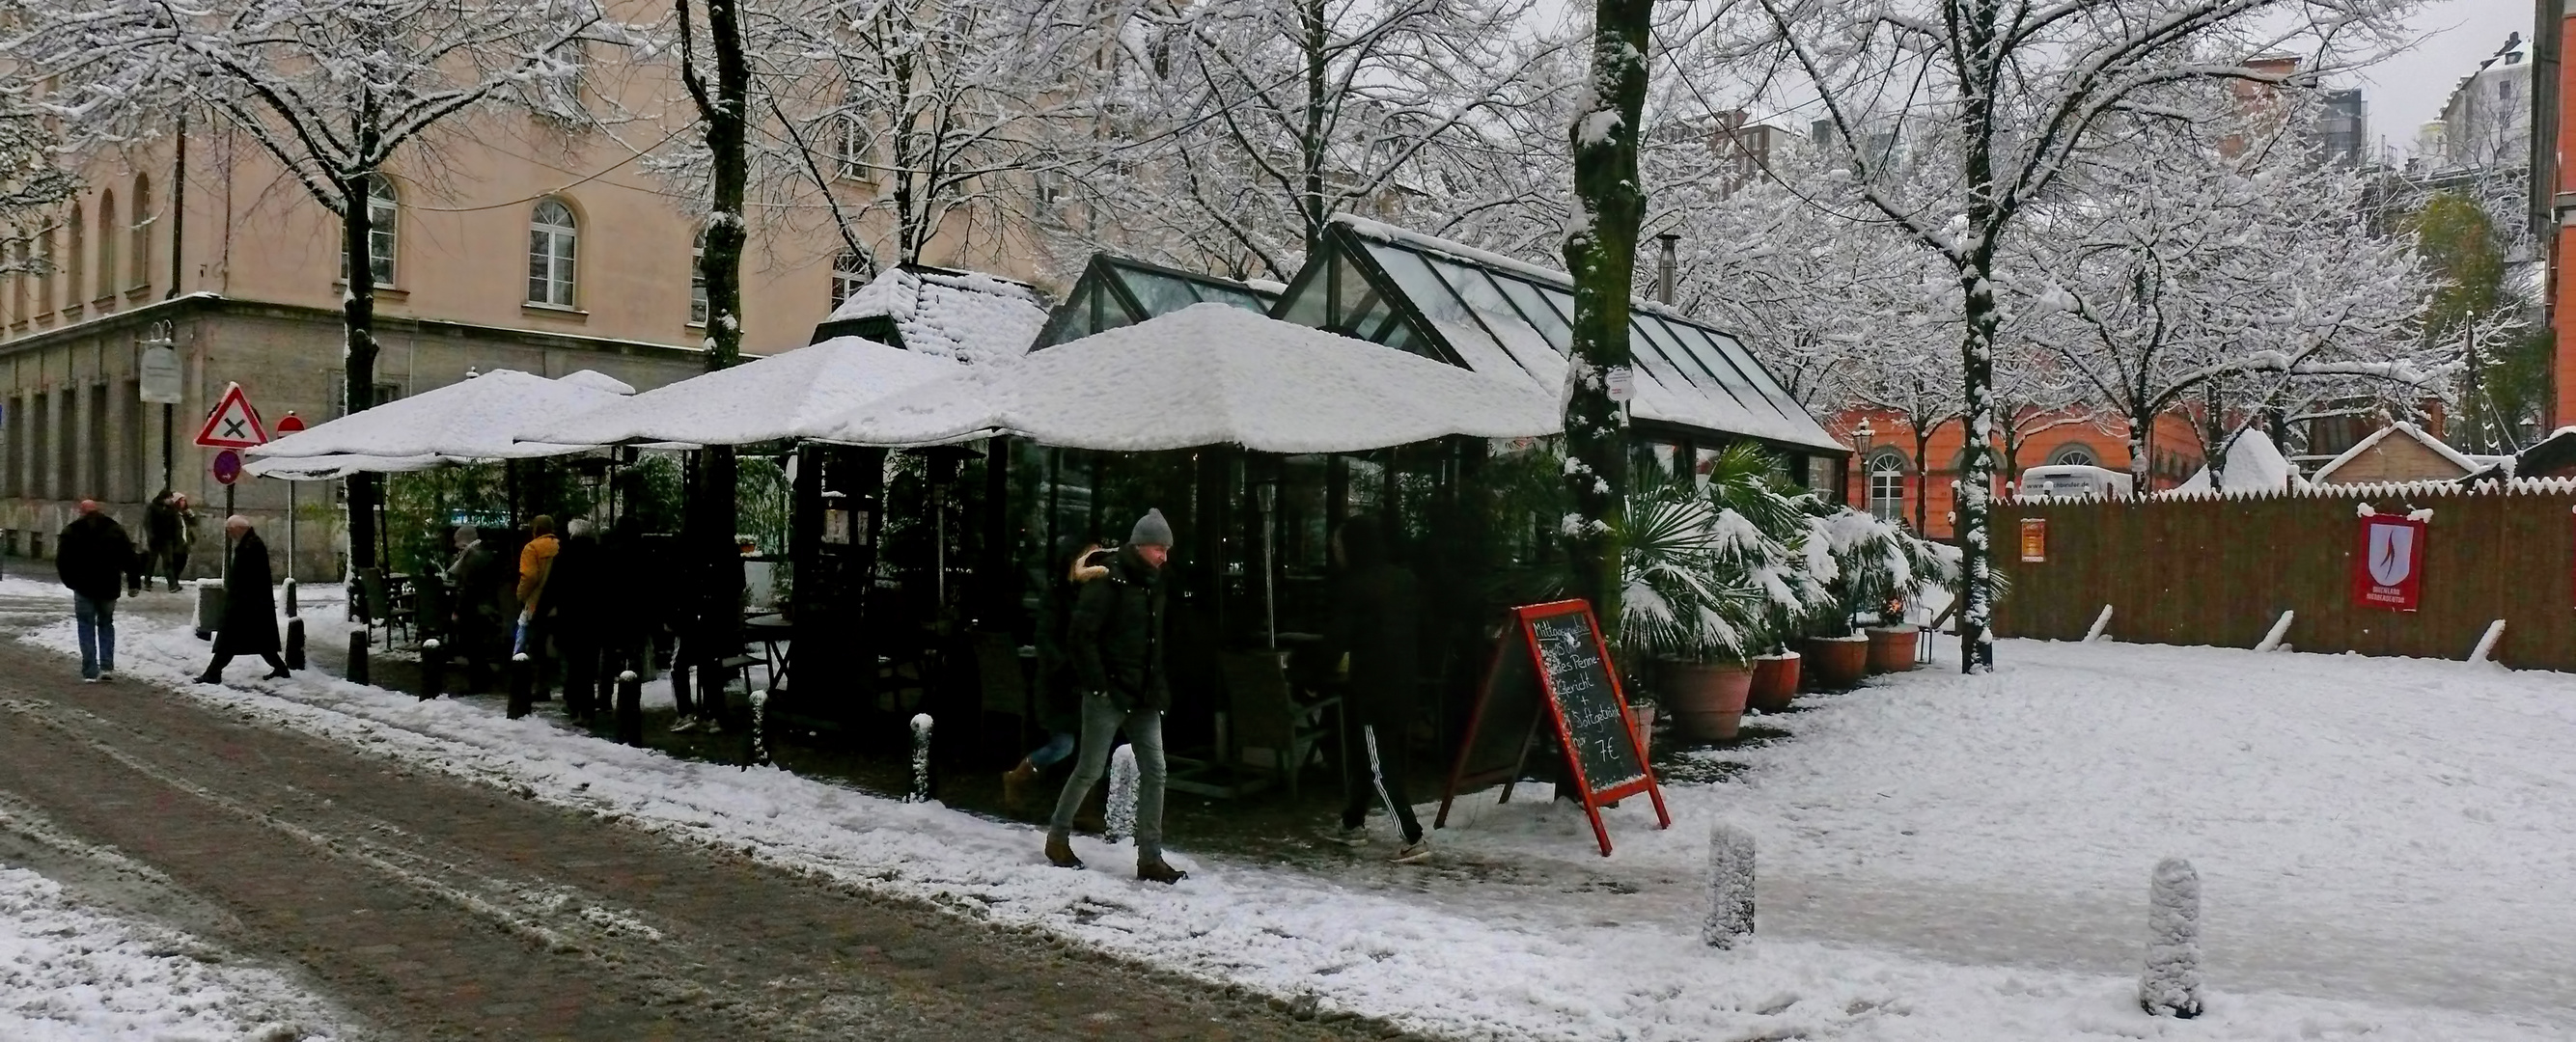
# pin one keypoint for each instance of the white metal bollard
(920, 759)
(1730, 886)
(2171, 985)
(2100, 622)
(1120, 817)
(2272, 640)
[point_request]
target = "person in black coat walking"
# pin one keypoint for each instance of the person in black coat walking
(1116, 645)
(92, 557)
(1375, 613)
(166, 533)
(250, 604)
(573, 600)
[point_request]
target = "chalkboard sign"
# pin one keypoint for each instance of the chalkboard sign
(1553, 667)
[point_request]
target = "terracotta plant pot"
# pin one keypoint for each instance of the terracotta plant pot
(1643, 715)
(1835, 663)
(1891, 649)
(1706, 699)
(1775, 682)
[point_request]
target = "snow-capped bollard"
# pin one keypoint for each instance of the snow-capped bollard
(289, 594)
(630, 708)
(920, 759)
(2100, 622)
(2272, 640)
(357, 656)
(760, 734)
(433, 668)
(1120, 817)
(523, 681)
(1730, 887)
(2171, 985)
(294, 643)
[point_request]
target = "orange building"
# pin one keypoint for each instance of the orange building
(1884, 477)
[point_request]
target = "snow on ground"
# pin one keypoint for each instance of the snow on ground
(71, 973)
(1535, 949)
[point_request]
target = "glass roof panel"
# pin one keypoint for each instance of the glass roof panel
(1712, 352)
(1527, 345)
(1733, 350)
(1447, 314)
(1305, 303)
(1540, 314)
(1160, 294)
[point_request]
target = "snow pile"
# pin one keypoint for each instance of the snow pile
(2254, 464)
(964, 316)
(1544, 943)
(1208, 374)
(2171, 984)
(792, 394)
(476, 418)
(69, 973)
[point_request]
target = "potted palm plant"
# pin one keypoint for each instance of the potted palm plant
(1875, 562)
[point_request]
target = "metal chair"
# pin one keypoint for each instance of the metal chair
(1266, 713)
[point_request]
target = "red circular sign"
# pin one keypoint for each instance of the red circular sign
(289, 423)
(227, 467)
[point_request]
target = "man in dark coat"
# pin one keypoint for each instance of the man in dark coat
(165, 535)
(91, 558)
(573, 593)
(476, 601)
(1374, 616)
(250, 604)
(1116, 643)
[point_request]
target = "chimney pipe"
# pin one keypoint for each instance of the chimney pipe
(1664, 270)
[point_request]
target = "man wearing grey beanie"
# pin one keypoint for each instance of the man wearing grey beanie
(1117, 648)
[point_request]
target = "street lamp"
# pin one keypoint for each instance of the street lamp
(1861, 436)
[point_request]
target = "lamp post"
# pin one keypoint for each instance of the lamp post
(1861, 436)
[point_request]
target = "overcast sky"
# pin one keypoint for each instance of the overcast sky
(2409, 88)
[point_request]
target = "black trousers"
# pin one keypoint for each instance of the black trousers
(225, 658)
(1374, 764)
(583, 676)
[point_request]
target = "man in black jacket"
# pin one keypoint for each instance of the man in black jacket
(1117, 648)
(91, 558)
(1374, 617)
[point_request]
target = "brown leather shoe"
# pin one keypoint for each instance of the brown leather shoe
(1157, 870)
(1015, 784)
(1059, 853)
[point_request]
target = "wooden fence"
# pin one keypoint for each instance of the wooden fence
(2220, 571)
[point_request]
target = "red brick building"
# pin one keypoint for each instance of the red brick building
(1883, 477)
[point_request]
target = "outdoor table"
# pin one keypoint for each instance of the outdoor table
(773, 631)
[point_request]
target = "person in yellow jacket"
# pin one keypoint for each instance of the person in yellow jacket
(536, 564)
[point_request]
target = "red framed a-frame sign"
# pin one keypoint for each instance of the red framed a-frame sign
(1552, 668)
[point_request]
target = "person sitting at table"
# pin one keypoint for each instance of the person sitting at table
(1057, 710)
(1374, 613)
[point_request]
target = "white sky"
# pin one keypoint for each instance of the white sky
(2409, 88)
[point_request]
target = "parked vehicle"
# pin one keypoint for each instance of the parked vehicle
(2075, 482)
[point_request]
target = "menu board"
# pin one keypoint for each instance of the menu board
(1553, 668)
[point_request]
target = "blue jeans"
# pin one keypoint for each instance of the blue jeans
(1102, 719)
(96, 621)
(1059, 745)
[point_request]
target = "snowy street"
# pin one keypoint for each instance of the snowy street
(1942, 858)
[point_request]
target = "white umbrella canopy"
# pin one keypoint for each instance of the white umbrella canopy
(339, 465)
(792, 394)
(475, 418)
(1209, 374)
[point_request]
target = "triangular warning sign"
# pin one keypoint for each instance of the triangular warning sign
(233, 424)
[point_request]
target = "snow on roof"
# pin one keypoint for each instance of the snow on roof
(2453, 456)
(791, 394)
(2254, 464)
(1210, 374)
(597, 380)
(965, 315)
(475, 418)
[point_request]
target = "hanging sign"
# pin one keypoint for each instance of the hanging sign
(2388, 563)
(159, 378)
(233, 424)
(1553, 668)
(2034, 539)
(1621, 382)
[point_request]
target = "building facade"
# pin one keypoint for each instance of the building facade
(1884, 478)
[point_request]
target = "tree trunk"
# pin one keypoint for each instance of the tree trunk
(1922, 479)
(1317, 45)
(1985, 213)
(1601, 254)
(358, 321)
(712, 519)
(2139, 428)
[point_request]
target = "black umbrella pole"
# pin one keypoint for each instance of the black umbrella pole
(357, 656)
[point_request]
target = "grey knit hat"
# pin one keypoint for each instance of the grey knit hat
(1151, 530)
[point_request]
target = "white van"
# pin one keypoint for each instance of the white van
(2074, 482)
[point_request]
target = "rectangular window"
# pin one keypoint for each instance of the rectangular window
(1887, 494)
(549, 267)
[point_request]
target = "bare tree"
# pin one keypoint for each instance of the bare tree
(330, 90)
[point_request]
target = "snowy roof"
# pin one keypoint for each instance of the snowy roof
(2448, 454)
(965, 315)
(792, 394)
(2254, 464)
(478, 417)
(1513, 319)
(1117, 291)
(1211, 374)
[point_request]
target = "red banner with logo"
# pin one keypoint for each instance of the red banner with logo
(2388, 564)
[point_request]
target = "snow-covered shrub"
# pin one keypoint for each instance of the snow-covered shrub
(1868, 563)
(2171, 985)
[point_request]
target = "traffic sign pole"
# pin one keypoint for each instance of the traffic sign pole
(289, 424)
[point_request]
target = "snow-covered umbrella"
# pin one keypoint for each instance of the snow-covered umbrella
(793, 394)
(340, 465)
(477, 418)
(1208, 374)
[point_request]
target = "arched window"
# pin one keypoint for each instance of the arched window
(550, 255)
(848, 274)
(75, 243)
(384, 229)
(1887, 485)
(698, 280)
(139, 252)
(107, 243)
(2073, 454)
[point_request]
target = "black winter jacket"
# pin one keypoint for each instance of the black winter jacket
(250, 601)
(1117, 634)
(1374, 620)
(93, 556)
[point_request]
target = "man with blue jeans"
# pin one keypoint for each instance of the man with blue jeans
(92, 557)
(1117, 645)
